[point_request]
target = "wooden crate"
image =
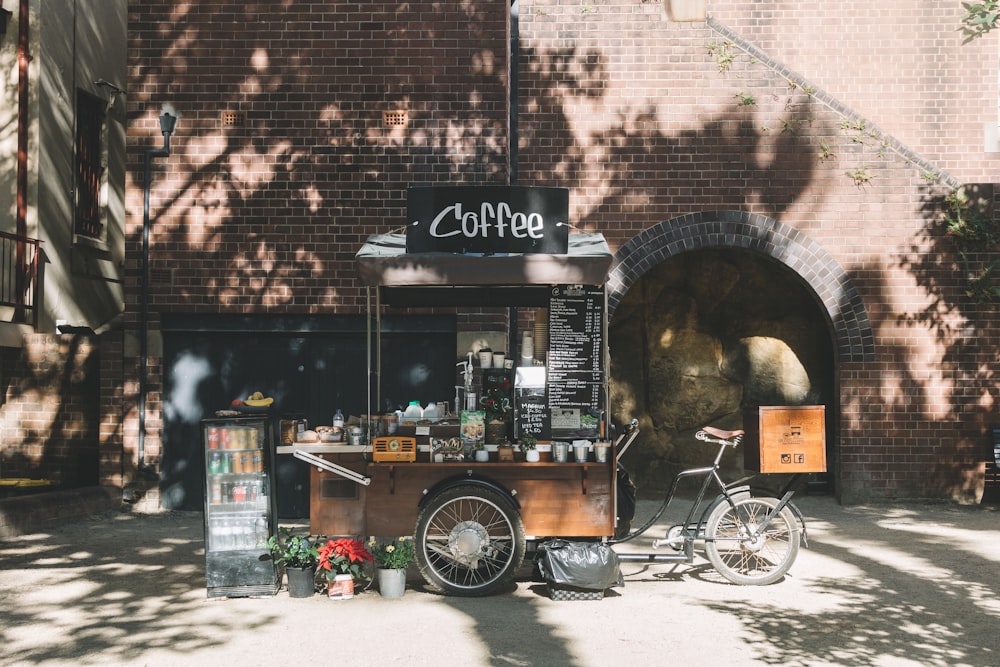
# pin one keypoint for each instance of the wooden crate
(785, 439)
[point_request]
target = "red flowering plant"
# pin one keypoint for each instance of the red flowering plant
(496, 402)
(344, 556)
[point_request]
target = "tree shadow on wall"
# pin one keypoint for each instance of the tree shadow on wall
(963, 322)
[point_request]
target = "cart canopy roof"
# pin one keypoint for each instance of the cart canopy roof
(383, 261)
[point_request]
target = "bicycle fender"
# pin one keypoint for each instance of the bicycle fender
(470, 480)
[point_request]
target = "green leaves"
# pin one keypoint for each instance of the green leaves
(979, 18)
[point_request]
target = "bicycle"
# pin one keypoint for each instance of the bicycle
(750, 539)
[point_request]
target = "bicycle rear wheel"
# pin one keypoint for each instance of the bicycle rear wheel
(741, 552)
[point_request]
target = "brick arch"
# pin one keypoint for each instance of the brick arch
(749, 231)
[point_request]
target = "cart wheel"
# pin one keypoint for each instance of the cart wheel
(470, 541)
(742, 557)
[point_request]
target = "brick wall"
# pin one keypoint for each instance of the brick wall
(265, 216)
(844, 122)
(49, 418)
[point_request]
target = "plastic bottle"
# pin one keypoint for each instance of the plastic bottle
(338, 419)
(431, 411)
(413, 412)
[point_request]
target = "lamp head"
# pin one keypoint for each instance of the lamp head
(167, 123)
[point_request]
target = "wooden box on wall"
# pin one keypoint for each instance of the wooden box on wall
(782, 438)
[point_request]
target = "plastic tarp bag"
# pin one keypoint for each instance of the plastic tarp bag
(588, 565)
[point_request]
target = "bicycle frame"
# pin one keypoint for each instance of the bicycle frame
(694, 529)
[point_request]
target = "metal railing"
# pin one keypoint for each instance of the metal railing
(21, 277)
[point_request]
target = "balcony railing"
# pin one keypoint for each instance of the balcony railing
(21, 269)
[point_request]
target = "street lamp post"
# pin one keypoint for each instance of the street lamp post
(167, 123)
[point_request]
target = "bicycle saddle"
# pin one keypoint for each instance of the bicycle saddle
(720, 433)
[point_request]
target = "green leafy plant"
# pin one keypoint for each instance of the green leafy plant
(745, 99)
(344, 556)
(861, 176)
(970, 221)
(394, 554)
(723, 54)
(527, 442)
(979, 18)
(292, 550)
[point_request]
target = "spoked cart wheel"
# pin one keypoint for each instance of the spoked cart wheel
(470, 541)
(743, 553)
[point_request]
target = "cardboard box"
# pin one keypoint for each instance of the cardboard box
(785, 439)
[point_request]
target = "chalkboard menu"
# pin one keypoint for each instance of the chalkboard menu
(576, 343)
(533, 414)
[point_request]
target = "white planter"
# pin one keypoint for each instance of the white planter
(531, 456)
(391, 582)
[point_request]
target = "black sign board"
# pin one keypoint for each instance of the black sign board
(492, 219)
(533, 414)
(576, 343)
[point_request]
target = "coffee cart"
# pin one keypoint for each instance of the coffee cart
(472, 521)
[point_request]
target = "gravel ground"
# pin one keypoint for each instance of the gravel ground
(900, 584)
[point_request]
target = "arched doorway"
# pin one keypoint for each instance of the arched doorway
(715, 310)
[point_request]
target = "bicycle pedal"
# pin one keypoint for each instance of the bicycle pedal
(658, 543)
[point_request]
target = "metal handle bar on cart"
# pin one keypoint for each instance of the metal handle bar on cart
(629, 435)
(323, 464)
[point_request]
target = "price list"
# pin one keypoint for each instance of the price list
(533, 415)
(576, 340)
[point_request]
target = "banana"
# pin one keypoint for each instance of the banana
(257, 400)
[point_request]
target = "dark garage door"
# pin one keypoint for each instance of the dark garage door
(310, 365)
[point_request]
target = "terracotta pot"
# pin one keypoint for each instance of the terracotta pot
(341, 588)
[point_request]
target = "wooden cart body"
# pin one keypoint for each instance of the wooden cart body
(360, 496)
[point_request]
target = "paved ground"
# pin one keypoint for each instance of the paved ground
(911, 584)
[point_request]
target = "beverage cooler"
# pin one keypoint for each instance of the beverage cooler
(240, 506)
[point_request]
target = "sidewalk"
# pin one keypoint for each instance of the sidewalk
(908, 584)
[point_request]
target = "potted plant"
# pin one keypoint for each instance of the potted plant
(342, 561)
(527, 445)
(298, 555)
(392, 558)
(479, 451)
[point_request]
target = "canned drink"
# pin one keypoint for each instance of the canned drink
(223, 438)
(214, 463)
(226, 465)
(216, 493)
(213, 438)
(253, 439)
(258, 461)
(239, 493)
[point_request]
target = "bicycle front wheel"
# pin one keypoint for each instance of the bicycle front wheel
(741, 551)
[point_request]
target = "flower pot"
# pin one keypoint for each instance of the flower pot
(392, 582)
(341, 587)
(531, 456)
(301, 581)
(482, 455)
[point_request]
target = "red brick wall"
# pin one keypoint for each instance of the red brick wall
(50, 413)
(637, 117)
(267, 216)
(629, 111)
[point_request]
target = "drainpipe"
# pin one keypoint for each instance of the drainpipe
(167, 123)
(512, 136)
(21, 216)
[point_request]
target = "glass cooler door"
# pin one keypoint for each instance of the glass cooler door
(240, 509)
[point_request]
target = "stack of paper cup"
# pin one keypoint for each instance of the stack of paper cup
(527, 349)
